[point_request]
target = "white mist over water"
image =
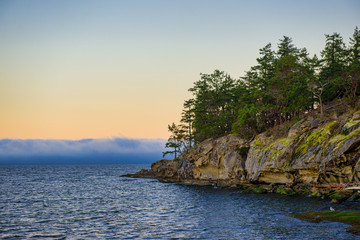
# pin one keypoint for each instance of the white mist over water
(107, 150)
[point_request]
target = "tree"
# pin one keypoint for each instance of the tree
(334, 52)
(286, 48)
(285, 88)
(172, 143)
(247, 124)
(214, 105)
(353, 78)
(254, 94)
(284, 84)
(355, 46)
(333, 71)
(315, 84)
(187, 120)
(266, 62)
(175, 141)
(288, 84)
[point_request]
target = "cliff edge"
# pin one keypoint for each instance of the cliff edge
(315, 156)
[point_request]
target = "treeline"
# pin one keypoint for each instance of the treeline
(283, 85)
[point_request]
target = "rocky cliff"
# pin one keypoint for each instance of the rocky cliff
(322, 152)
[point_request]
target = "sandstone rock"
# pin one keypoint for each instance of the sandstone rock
(218, 159)
(315, 151)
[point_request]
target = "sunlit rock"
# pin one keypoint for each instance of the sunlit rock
(321, 152)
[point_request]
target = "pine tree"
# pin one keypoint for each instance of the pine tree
(286, 48)
(353, 79)
(175, 141)
(334, 71)
(213, 105)
(187, 119)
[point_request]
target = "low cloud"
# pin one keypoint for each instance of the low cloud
(108, 148)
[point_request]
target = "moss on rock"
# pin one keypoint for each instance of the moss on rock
(350, 126)
(338, 196)
(348, 217)
(259, 189)
(284, 190)
(314, 142)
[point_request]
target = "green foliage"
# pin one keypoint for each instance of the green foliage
(175, 141)
(334, 69)
(286, 48)
(214, 105)
(353, 71)
(246, 124)
(284, 85)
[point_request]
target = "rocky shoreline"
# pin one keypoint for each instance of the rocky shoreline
(316, 156)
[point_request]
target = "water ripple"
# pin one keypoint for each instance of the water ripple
(82, 202)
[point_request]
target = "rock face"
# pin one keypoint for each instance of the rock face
(315, 151)
(215, 161)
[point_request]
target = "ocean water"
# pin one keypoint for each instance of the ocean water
(94, 202)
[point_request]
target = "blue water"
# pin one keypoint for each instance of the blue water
(93, 201)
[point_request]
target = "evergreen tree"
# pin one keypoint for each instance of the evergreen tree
(213, 105)
(288, 87)
(283, 85)
(187, 120)
(334, 58)
(315, 84)
(353, 79)
(175, 141)
(253, 115)
(334, 52)
(287, 48)
(266, 63)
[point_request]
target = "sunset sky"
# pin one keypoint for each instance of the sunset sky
(103, 69)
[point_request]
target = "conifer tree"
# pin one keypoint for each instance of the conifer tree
(175, 140)
(333, 71)
(283, 85)
(315, 84)
(187, 119)
(353, 78)
(213, 105)
(287, 48)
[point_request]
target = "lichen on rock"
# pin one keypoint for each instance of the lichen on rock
(314, 152)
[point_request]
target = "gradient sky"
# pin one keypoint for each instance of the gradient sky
(100, 69)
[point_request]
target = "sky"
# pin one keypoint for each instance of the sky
(121, 69)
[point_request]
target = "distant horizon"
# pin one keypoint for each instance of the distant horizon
(83, 151)
(54, 160)
(97, 69)
(86, 138)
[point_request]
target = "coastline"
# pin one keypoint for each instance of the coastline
(317, 156)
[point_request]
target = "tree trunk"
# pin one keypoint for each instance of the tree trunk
(321, 106)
